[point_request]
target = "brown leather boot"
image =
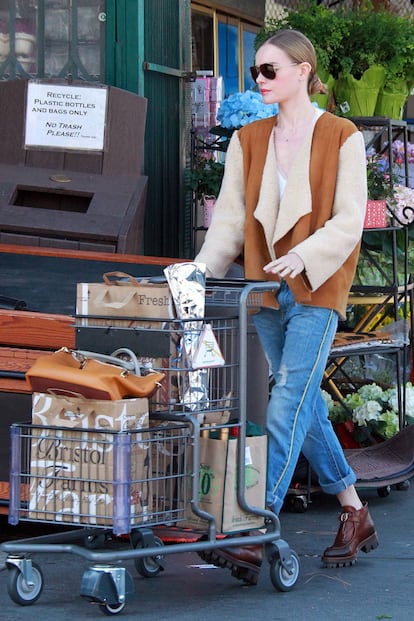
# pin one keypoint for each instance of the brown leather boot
(244, 562)
(356, 532)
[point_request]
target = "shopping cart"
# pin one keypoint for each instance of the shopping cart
(127, 483)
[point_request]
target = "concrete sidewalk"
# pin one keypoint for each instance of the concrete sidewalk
(379, 586)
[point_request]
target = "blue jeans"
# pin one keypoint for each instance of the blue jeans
(296, 340)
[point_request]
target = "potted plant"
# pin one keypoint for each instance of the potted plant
(206, 177)
(380, 190)
(205, 181)
(385, 186)
(322, 27)
(235, 111)
(362, 49)
(377, 59)
(367, 416)
(379, 179)
(388, 202)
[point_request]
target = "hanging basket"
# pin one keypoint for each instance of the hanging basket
(359, 97)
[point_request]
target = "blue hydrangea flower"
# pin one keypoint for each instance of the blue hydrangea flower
(240, 109)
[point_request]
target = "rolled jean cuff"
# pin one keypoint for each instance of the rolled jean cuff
(341, 485)
(275, 505)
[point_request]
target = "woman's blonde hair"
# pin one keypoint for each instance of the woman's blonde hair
(300, 50)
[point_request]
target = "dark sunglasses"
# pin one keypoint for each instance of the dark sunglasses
(268, 70)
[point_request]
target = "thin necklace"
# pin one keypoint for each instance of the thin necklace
(292, 133)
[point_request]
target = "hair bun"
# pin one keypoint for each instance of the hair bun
(316, 86)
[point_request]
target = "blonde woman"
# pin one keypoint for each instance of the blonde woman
(292, 204)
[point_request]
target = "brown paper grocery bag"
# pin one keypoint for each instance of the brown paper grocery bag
(72, 469)
(120, 295)
(218, 483)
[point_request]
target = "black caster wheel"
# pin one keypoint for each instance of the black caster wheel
(403, 486)
(297, 504)
(383, 492)
(149, 566)
(19, 591)
(300, 504)
(112, 609)
(282, 578)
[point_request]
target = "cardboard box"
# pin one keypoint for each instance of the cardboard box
(218, 484)
(84, 468)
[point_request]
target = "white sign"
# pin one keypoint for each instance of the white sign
(65, 117)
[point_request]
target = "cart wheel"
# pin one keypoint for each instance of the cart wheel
(281, 578)
(21, 592)
(149, 566)
(383, 492)
(299, 504)
(403, 486)
(112, 609)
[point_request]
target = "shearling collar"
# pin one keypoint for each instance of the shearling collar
(296, 200)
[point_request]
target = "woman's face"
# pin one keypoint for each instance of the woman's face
(286, 83)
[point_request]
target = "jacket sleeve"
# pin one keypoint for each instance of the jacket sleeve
(224, 239)
(325, 251)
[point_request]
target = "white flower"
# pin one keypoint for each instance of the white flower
(371, 392)
(409, 399)
(403, 204)
(328, 400)
(370, 410)
(392, 398)
(410, 402)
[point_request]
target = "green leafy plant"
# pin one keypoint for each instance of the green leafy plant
(379, 179)
(206, 176)
(349, 41)
(377, 38)
(319, 24)
(371, 410)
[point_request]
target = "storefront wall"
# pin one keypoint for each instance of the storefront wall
(144, 46)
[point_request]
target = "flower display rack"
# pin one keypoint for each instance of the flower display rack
(388, 299)
(370, 340)
(380, 132)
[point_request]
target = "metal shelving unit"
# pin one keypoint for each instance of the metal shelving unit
(380, 132)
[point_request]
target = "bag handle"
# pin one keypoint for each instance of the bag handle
(66, 394)
(100, 299)
(82, 356)
(107, 278)
(70, 421)
(131, 359)
(129, 365)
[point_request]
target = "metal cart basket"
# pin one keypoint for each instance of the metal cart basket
(122, 484)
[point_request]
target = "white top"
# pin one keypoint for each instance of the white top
(282, 178)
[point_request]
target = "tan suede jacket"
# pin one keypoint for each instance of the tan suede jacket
(320, 215)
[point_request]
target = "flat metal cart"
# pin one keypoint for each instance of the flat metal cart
(151, 476)
(385, 465)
